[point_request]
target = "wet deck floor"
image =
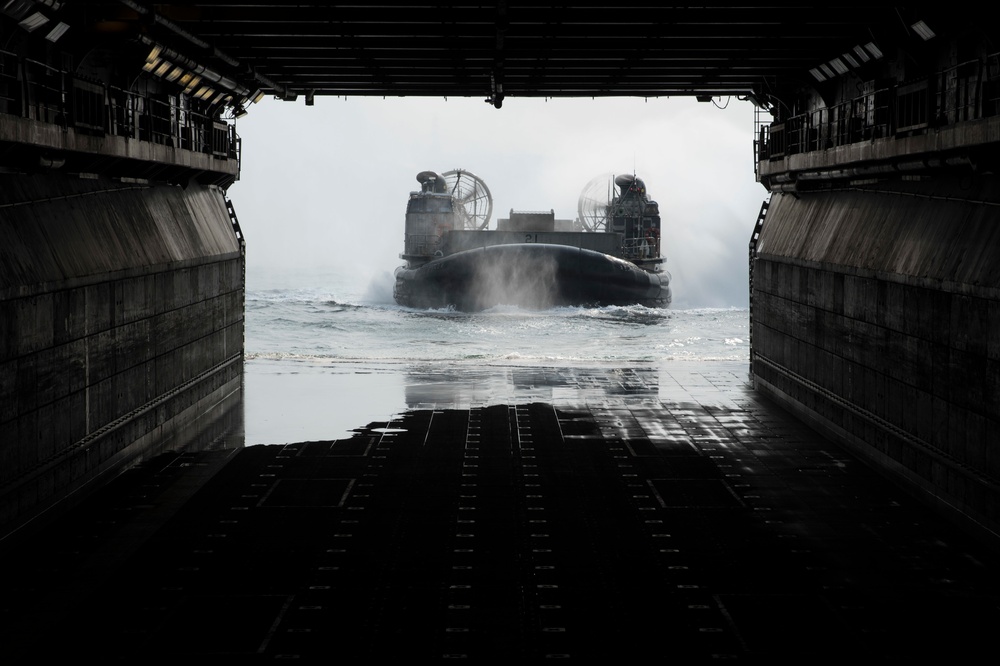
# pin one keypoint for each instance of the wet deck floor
(566, 513)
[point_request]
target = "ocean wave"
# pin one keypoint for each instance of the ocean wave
(471, 360)
(326, 325)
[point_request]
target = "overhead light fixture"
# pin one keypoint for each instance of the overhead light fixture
(153, 59)
(188, 74)
(162, 68)
(818, 75)
(703, 98)
(923, 30)
(850, 60)
(310, 97)
(826, 70)
(57, 32)
(257, 96)
(874, 50)
(34, 21)
(838, 66)
(862, 53)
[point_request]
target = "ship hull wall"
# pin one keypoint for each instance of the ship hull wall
(876, 318)
(122, 315)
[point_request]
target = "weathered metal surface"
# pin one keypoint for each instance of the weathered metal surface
(877, 318)
(25, 133)
(57, 227)
(121, 310)
(945, 235)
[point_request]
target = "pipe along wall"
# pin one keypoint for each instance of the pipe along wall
(121, 330)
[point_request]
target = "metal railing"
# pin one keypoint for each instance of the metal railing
(968, 91)
(34, 90)
(640, 248)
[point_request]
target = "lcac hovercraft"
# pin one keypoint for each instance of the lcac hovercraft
(610, 255)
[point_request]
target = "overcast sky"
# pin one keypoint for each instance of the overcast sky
(326, 186)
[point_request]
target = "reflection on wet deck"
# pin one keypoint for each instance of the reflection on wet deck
(513, 514)
(460, 387)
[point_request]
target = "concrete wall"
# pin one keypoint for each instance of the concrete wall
(876, 317)
(121, 330)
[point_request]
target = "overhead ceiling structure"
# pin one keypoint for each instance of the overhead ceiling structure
(504, 49)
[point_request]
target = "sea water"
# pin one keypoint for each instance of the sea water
(327, 352)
